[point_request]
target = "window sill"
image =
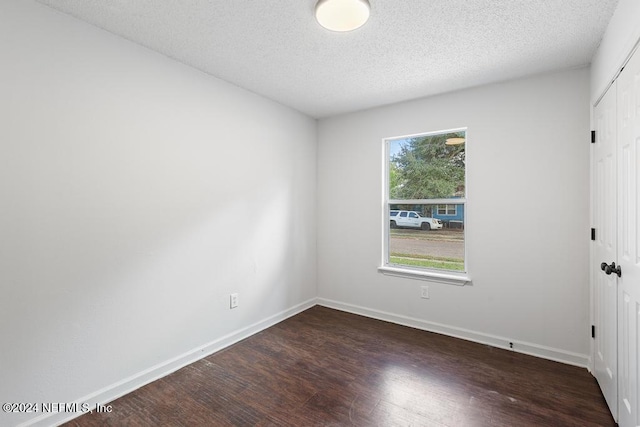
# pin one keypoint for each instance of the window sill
(432, 276)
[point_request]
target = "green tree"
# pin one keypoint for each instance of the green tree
(427, 168)
(395, 181)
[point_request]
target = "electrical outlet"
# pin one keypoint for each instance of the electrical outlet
(424, 292)
(233, 301)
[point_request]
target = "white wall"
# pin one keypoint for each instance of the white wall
(135, 195)
(623, 32)
(528, 215)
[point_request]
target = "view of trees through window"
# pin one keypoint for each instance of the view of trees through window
(426, 200)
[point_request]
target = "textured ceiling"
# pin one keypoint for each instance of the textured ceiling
(408, 49)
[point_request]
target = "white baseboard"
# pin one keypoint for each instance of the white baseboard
(557, 355)
(127, 385)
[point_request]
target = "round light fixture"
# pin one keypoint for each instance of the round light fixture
(454, 141)
(342, 15)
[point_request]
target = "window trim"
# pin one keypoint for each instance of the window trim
(441, 276)
(448, 278)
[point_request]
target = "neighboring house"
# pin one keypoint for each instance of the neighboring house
(452, 216)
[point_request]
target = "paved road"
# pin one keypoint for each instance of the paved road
(421, 245)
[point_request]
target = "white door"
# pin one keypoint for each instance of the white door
(605, 295)
(628, 154)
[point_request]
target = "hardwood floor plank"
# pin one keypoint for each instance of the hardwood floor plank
(329, 368)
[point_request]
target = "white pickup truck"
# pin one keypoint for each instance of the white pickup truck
(413, 219)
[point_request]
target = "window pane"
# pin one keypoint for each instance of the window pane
(427, 167)
(429, 241)
(423, 172)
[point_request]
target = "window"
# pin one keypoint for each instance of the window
(447, 209)
(424, 206)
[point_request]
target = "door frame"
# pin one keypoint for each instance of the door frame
(592, 193)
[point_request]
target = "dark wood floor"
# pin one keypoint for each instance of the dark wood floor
(328, 368)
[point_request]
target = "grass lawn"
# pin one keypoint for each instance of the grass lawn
(426, 261)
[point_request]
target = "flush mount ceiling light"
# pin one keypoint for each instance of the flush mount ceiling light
(454, 141)
(342, 15)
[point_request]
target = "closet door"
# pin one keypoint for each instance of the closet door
(628, 154)
(604, 220)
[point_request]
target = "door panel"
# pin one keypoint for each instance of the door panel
(604, 220)
(628, 241)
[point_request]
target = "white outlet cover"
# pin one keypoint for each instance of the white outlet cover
(424, 292)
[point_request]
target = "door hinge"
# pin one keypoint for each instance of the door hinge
(593, 136)
(593, 331)
(593, 234)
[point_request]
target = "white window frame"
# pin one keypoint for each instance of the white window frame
(433, 275)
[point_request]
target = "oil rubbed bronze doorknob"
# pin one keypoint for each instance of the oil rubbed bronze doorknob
(608, 269)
